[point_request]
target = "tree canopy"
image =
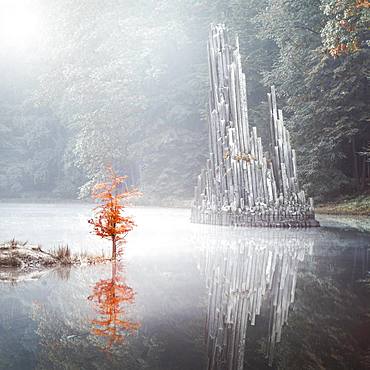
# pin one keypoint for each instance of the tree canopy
(126, 84)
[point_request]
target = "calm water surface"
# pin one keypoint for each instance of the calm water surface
(188, 296)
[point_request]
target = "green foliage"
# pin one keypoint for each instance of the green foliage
(324, 98)
(346, 28)
(359, 205)
(31, 152)
(127, 85)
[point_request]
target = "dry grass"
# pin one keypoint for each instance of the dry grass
(63, 251)
(13, 243)
(90, 259)
(63, 254)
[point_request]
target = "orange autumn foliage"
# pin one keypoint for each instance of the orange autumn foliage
(363, 4)
(340, 49)
(352, 18)
(109, 221)
(109, 296)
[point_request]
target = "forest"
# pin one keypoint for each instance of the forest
(128, 86)
(184, 184)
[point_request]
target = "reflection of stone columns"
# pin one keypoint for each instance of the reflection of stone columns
(243, 274)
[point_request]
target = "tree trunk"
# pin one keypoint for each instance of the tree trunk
(114, 248)
(114, 270)
(363, 173)
(355, 162)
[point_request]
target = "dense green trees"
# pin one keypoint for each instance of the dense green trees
(128, 88)
(127, 84)
(325, 97)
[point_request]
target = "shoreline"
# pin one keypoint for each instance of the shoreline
(23, 261)
(354, 206)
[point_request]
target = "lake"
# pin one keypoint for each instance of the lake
(186, 296)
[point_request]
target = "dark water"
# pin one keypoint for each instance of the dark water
(188, 296)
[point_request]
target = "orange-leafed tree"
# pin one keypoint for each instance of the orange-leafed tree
(110, 297)
(346, 26)
(109, 221)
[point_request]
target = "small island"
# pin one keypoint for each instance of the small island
(20, 261)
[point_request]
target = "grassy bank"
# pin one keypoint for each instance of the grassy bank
(359, 205)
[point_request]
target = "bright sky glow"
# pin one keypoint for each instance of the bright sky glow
(20, 24)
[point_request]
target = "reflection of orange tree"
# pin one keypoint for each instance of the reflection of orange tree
(109, 295)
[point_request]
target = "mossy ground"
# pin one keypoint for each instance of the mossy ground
(358, 205)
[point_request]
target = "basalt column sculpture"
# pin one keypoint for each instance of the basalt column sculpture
(242, 184)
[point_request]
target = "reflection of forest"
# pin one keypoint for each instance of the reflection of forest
(328, 324)
(109, 295)
(59, 335)
(170, 335)
(70, 331)
(254, 281)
